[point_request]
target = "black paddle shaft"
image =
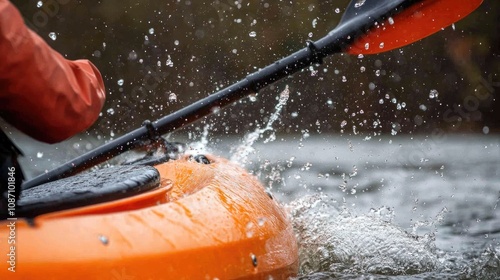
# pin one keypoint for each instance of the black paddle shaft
(358, 18)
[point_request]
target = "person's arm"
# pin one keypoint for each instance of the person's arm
(43, 94)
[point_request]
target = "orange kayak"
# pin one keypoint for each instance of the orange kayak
(200, 221)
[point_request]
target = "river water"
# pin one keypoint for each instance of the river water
(398, 207)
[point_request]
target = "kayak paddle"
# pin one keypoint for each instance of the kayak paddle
(367, 27)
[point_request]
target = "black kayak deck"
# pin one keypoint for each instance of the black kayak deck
(85, 189)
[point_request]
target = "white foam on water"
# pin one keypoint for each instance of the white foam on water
(331, 239)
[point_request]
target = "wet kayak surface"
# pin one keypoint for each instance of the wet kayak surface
(402, 207)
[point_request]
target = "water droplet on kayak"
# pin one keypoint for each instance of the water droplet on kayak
(337, 10)
(362, 69)
(151, 31)
(254, 260)
(39, 4)
(120, 82)
(381, 45)
(391, 20)
(104, 240)
(53, 36)
(261, 221)
(249, 230)
(168, 183)
(359, 3)
(39, 155)
(252, 34)
(367, 46)
(176, 42)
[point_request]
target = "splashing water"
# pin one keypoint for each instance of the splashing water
(200, 146)
(240, 154)
(334, 240)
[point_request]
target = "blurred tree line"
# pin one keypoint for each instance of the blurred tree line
(159, 56)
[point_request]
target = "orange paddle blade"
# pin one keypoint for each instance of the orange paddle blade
(412, 24)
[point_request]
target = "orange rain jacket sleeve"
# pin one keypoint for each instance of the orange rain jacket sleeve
(43, 94)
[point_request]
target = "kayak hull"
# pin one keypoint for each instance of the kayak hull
(204, 221)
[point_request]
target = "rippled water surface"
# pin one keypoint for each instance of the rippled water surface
(421, 208)
(400, 207)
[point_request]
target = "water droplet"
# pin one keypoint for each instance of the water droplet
(254, 260)
(362, 69)
(39, 155)
(344, 79)
(359, 3)
(486, 130)
(39, 4)
(391, 20)
(169, 62)
(151, 31)
(215, 110)
(252, 98)
(249, 230)
(337, 10)
(172, 97)
(381, 45)
(110, 111)
(53, 36)
(176, 42)
(252, 34)
(367, 46)
(104, 240)
(132, 55)
(343, 123)
(120, 82)
(433, 94)
(314, 22)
